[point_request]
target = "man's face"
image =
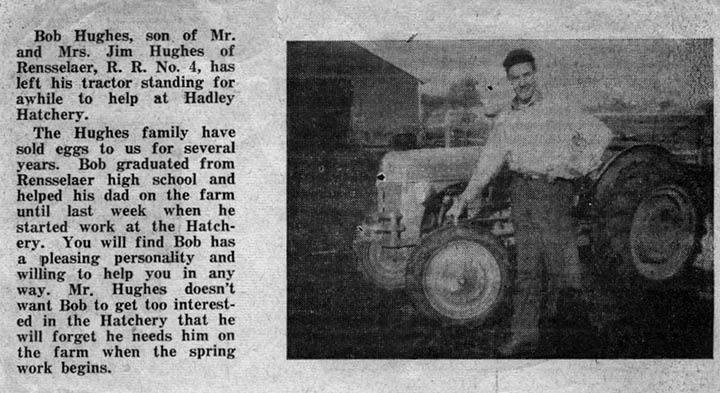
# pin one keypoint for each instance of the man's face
(522, 78)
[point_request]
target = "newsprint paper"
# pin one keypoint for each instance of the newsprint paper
(358, 196)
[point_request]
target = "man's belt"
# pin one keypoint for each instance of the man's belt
(531, 176)
(537, 176)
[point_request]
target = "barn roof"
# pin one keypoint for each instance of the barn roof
(307, 59)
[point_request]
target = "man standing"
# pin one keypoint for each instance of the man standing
(546, 143)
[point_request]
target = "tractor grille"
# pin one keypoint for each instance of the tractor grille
(389, 195)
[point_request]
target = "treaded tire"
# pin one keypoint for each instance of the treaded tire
(458, 275)
(618, 195)
(383, 271)
(664, 235)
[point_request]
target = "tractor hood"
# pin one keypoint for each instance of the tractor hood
(430, 165)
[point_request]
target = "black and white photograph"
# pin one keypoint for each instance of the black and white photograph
(491, 199)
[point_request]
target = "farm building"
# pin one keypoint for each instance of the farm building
(340, 93)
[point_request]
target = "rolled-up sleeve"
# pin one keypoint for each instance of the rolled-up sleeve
(491, 159)
(591, 139)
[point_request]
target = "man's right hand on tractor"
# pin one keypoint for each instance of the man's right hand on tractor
(458, 208)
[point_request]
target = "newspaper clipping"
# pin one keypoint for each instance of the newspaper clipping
(218, 196)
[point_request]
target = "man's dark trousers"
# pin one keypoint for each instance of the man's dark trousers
(546, 248)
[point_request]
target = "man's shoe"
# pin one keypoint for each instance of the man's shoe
(518, 345)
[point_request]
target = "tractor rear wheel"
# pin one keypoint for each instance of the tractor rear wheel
(663, 234)
(647, 220)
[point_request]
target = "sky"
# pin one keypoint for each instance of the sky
(640, 73)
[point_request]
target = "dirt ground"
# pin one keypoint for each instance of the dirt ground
(333, 313)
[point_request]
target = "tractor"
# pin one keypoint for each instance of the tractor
(645, 215)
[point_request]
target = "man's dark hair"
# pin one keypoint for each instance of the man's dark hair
(517, 56)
